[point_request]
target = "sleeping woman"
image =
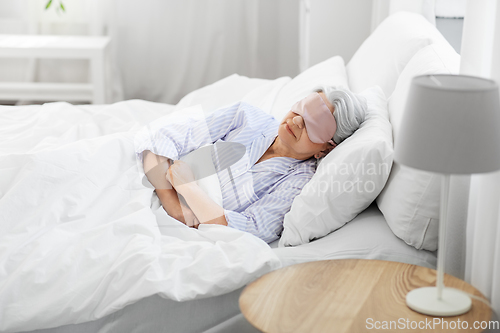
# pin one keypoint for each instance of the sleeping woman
(281, 157)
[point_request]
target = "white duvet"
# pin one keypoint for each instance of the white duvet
(82, 237)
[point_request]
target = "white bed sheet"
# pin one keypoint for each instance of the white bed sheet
(367, 236)
(76, 221)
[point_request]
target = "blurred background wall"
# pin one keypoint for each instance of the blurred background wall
(164, 49)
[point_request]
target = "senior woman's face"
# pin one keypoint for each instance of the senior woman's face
(293, 132)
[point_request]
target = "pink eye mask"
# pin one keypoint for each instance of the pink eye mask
(320, 122)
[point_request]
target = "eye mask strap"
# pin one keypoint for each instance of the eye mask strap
(332, 143)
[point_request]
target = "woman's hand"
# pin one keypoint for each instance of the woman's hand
(189, 218)
(176, 209)
(185, 215)
(155, 168)
(178, 174)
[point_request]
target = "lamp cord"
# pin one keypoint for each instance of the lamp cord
(477, 298)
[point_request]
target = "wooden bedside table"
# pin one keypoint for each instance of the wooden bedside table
(351, 295)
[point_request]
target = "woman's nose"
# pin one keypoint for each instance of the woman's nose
(299, 121)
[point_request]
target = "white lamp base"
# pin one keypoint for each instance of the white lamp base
(425, 300)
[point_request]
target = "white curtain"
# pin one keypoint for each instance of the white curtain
(164, 49)
(480, 56)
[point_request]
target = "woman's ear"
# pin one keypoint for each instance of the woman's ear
(329, 148)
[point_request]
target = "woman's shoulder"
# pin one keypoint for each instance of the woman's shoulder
(255, 111)
(258, 120)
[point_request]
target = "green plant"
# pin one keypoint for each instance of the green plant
(60, 7)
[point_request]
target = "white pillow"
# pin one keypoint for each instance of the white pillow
(226, 91)
(330, 72)
(410, 200)
(384, 54)
(347, 180)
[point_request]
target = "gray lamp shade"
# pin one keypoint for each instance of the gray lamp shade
(451, 125)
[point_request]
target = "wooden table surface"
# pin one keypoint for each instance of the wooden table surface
(351, 295)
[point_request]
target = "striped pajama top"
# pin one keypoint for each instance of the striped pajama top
(256, 197)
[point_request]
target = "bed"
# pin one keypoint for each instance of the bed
(48, 270)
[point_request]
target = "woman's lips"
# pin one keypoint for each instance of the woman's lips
(289, 130)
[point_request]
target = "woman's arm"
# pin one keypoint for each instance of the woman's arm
(175, 208)
(204, 208)
(155, 168)
(179, 136)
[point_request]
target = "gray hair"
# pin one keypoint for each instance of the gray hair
(350, 110)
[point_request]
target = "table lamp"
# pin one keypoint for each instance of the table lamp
(451, 125)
